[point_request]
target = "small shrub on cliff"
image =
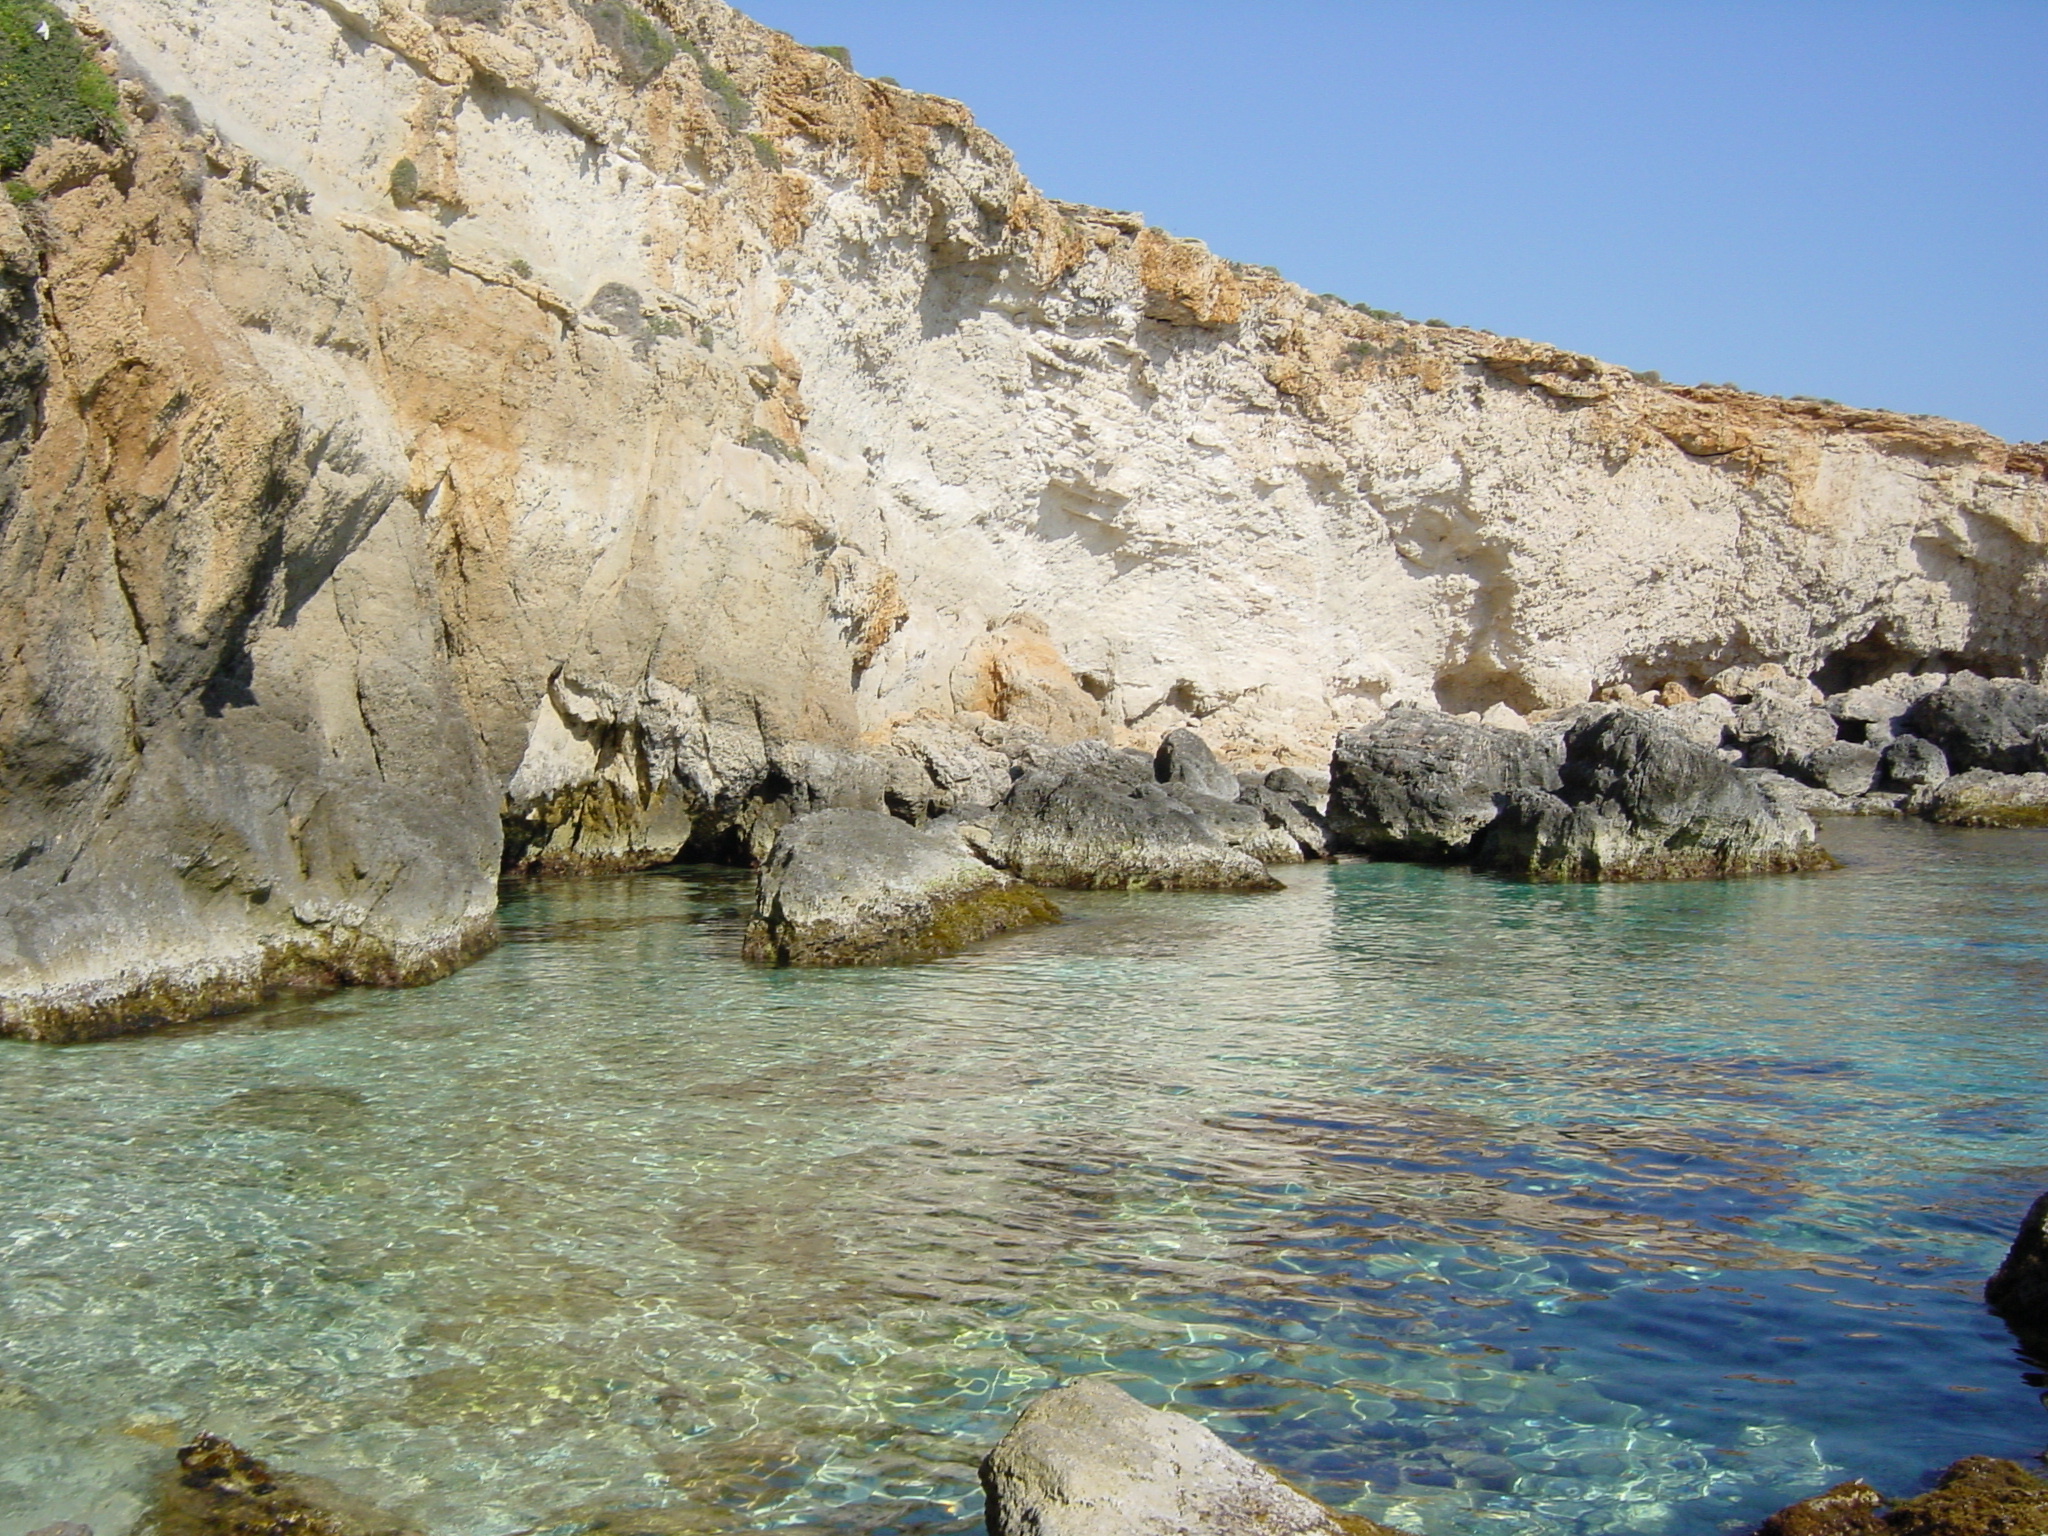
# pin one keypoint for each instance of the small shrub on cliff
(21, 194)
(405, 183)
(1381, 314)
(436, 260)
(836, 53)
(765, 151)
(642, 45)
(521, 267)
(732, 107)
(49, 86)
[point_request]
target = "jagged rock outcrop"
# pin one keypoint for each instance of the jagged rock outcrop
(2000, 724)
(1638, 802)
(1088, 1459)
(1419, 785)
(437, 423)
(862, 888)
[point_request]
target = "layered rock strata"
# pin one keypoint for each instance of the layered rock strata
(861, 888)
(1088, 1459)
(560, 430)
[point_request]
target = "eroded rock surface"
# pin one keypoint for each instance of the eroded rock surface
(1981, 798)
(848, 887)
(1088, 1459)
(1638, 802)
(1085, 830)
(1419, 785)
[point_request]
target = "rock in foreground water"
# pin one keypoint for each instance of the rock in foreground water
(1088, 1459)
(221, 1490)
(1979, 1496)
(2018, 1292)
(861, 888)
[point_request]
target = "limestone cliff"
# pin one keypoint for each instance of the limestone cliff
(440, 410)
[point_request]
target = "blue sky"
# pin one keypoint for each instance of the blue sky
(1847, 200)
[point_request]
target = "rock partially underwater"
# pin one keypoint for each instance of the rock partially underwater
(1088, 1459)
(861, 888)
(1978, 1496)
(2018, 1292)
(221, 1490)
(1604, 794)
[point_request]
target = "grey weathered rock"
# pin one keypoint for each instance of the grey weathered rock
(1843, 768)
(1088, 1459)
(1983, 723)
(1419, 785)
(1083, 831)
(1741, 685)
(851, 887)
(1294, 815)
(2018, 1291)
(1774, 732)
(1184, 758)
(1981, 798)
(1703, 721)
(1911, 762)
(1242, 826)
(1637, 802)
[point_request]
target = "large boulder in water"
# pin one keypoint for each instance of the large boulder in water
(846, 887)
(2018, 1292)
(1995, 724)
(1637, 802)
(1089, 831)
(1983, 799)
(1088, 1459)
(1419, 785)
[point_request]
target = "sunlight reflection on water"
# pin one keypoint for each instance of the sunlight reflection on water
(1469, 1205)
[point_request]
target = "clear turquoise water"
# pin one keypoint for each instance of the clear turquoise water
(1473, 1206)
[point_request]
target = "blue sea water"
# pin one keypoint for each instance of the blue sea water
(1471, 1206)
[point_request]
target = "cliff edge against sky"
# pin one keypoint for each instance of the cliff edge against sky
(439, 417)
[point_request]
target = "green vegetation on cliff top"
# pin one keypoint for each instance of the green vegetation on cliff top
(49, 86)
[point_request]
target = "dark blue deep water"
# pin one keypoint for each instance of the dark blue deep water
(1471, 1206)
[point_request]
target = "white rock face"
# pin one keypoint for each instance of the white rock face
(730, 400)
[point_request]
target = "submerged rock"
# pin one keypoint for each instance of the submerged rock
(845, 887)
(2018, 1292)
(1089, 831)
(1637, 802)
(221, 1490)
(1978, 1496)
(1088, 1459)
(1983, 799)
(1418, 785)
